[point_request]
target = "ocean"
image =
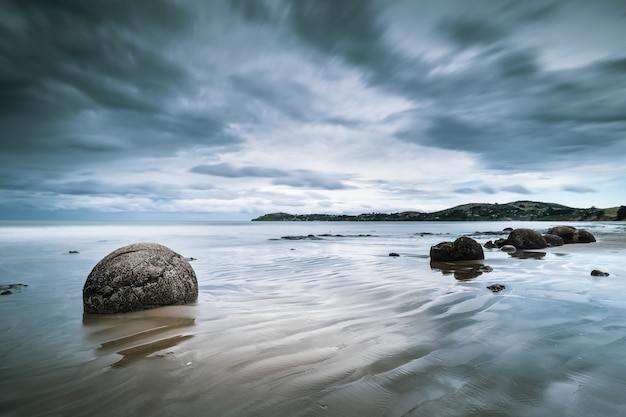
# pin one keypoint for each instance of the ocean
(324, 323)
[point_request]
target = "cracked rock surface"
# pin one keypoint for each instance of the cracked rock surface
(139, 276)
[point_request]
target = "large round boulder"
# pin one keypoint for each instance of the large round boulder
(526, 239)
(138, 277)
(463, 249)
(570, 234)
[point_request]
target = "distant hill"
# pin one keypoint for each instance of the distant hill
(518, 210)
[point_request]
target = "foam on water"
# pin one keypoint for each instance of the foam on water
(329, 327)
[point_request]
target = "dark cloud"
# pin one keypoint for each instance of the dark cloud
(517, 189)
(469, 31)
(229, 171)
(579, 189)
(312, 179)
(82, 69)
(299, 178)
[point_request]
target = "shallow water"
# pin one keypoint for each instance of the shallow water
(329, 327)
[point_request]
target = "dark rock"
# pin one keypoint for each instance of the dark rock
(496, 287)
(138, 277)
(10, 288)
(309, 237)
(463, 249)
(394, 254)
(570, 234)
(553, 240)
(526, 239)
(598, 273)
(500, 242)
(73, 251)
(490, 245)
(507, 229)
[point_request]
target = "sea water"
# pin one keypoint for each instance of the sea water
(316, 319)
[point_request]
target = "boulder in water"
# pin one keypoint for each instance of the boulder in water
(138, 277)
(463, 249)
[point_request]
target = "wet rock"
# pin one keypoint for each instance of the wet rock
(72, 252)
(138, 277)
(394, 254)
(490, 245)
(598, 273)
(496, 287)
(10, 288)
(553, 240)
(309, 237)
(463, 249)
(526, 239)
(507, 229)
(508, 249)
(570, 234)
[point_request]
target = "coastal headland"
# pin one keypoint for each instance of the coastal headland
(517, 210)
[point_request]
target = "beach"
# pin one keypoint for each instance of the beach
(322, 323)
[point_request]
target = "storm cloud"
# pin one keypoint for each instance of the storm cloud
(249, 106)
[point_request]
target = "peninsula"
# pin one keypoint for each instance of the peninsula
(517, 210)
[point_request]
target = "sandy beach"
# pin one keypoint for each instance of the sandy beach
(328, 327)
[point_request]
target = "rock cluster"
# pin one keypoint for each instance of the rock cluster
(138, 277)
(570, 234)
(523, 239)
(463, 249)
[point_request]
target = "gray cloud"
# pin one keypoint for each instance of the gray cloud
(468, 31)
(579, 189)
(229, 171)
(517, 189)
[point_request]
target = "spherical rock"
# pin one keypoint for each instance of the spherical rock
(526, 239)
(553, 240)
(138, 277)
(572, 235)
(462, 249)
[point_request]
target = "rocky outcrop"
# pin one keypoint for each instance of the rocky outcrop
(526, 239)
(138, 277)
(463, 249)
(570, 234)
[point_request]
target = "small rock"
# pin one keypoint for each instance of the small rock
(508, 249)
(73, 251)
(507, 229)
(598, 273)
(394, 254)
(6, 292)
(496, 287)
(489, 245)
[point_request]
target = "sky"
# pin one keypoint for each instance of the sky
(232, 109)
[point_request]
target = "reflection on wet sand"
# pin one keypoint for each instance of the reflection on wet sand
(462, 271)
(136, 336)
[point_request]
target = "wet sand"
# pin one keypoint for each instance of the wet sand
(336, 327)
